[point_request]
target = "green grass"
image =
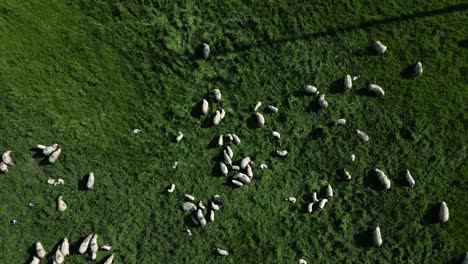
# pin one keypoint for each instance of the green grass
(85, 73)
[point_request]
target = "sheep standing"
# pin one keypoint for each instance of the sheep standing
(58, 257)
(54, 156)
(220, 140)
(443, 213)
(410, 179)
(260, 119)
(204, 107)
(377, 237)
(340, 121)
(6, 157)
(263, 166)
(35, 260)
(179, 137)
(171, 188)
(276, 135)
(249, 171)
(375, 89)
(189, 197)
(310, 207)
(212, 216)
(106, 248)
(48, 150)
(347, 174)
(61, 204)
(322, 203)
(418, 69)
(379, 47)
(206, 51)
(348, 82)
(222, 252)
(309, 89)
(214, 206)
(222, 113)
(230, 152)
(223, 168)
(322, 102)
(362, 136)
(241, 177)
(65, 247)
(85, 244)
(217, 118)
(237, 183)
(188, 206)
(227, 158)
(109, 260)
(329, 191)
(244, 162)
(40, 251)
(236, 139)
(273, 109)
(302, 261)
(257, 106)
(314, 197)
(93, 246)
(282, 153)
(217, 95)
(90, 181)
(291, 200)
(201, 219)
(383, 179)
(3, 167)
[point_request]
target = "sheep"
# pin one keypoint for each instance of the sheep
(109, 260)
(179, 137)
(263, 166)
(322, 102)
(135, 131)
(418, 69)
(340, 121)
(189, 197)
(241, 177)
(49, 150)
(244, 162)
(214, 206)
(273, 109)
(375, 89)
(302, 261)
(227, 158)
(6, 157)
(54, 156)
(314, 197)
(249, 171)
(35, 260)
(40, 146)
(171, 189)
(409, 179)
(204, 107)
(260, 119)
(322, 203)
(217, 118)
(93, 246)
(40, 251)
(206, 50)
(90, 182)
(223, 168)
(212, 216)
(201, 219)
(220, 140)
(106, 248)
(347, 174)
(237, 183)
(257, 106)
(174, 166)
(85, 244)
(348, 83)
(216, 198)
(229, 137)
(217, 95)
(379, 47)
(58, 257)
(443, 213)
(222, 252)
(230, 152)
(3, 167)
(291, 199)
(235, 168)
(61, 204)
(310, 207)
(353, 157)
(59, 181)
(282, 153)
(237, 140)
(309, 89)
(362, 136)
(189, 206)
(276, 135)
(65, 247)
(201, 206)
(222, 113)
(329, 191)
(377, 237)
(383, 179)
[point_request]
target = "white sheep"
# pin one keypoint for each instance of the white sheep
(212, 216)
(237, 183)
(310, 207)
(282, 153)
(189, 206)
(230, 152)
(109, 260)
(237, 140)
(374, 88)
(54, 156)
(61, 204)
(291, 199)
(229, 137)
(222, 113)
(348, 82)
(3, 167)
(227, 158)
(90, 182)
(93, 246)
(244, 162)
(347, 174)
(223, 168)
(106, 248)
(222, 252)
(220, 140)
(217, 118)
(322, 102)
(322, 203)
(180, 137)
(171, 188)
(135, 131)
(377, 237)
(35, 260)
(6, 157)
(263, 166)
(329, 191)
(49, 150)
(272, 108)
(217, 95)
(314, 197)
(379, 47)
(418, 69)
(249, 171)
(214, 206)
(257, 106)
(309, 89)
(443, 213)
(340, 121)
(201, 219)
(206, 50)
(201, 206)
(302, 261)
(174, 166)
(204, 107)
(40, 251)
(241, 177)
(235, 168)
(383, 179)
(362, 136)
(40, 146)
(276, 135)
(353, 157)
(59, 181)
(189, 197)
(85, 244)
(409, 179)
(65, 247)
(58, 257)
(260, 119)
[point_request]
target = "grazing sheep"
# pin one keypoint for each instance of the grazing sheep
(340, 121)
(443, 213)
(179, 137)
(54, 156)
(35, 260)
(40, 251)
(65, 247)
(61, 204)
(322, 203)
(347, 174)
(227, 158)
(377, 237)
(171, 189)
(40, 146)
(217, 95)
(302, 261)
(229, 137)
(189, 206)
(136, 131)
(409, 179)
(418, 69)
(291, 199)
(375, 89)
(263, 166)
(273, 109)
(217, 118)
(249, 171)
(106, 248)
(50, 149)
(322, 102)
(383, 179)
(58, 257)
(362, 136)
(212, 216)
(109, 260)
(235, 168)
(222, 252)
(282, 153)
(3, 167)
(348, 83)
(85, 244)
(245, 161)
(93, 246)
(353, 157)
(257, 106)
(201, 206)
(6, 157)
(223, 168)
(60, 181)
(237, 183)
(260, 119)
(220, 140)
(206, 51)
(51, 181)
(379, 47)
(204, 107)
(201, 219)
(214, 206)
(90, 182)
(230, 152)
(314, 197)
(174, 166)
(241, 177)
(276, 135)
(309, 89)
(222, 113)
(237, 140)
(329, 191)
(189, 197)
(310, 207)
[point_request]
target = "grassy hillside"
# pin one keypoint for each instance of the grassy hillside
(84, 74)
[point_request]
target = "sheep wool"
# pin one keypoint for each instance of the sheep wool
(245, 161)
(379, 47)
(90, 182)
(242, 177)
(223, 168)
(58, 257)
(201, 219)
(410, 179)
(54, 156)
(65, 247)
(205, 106)
(340, 121)
(348, 82)
(93, 246)
(61, 204)
(260, 119)
(227, 158)
(375, 89)
(229, 152)
(418, 69)
(383, 179)
(362, 136)
(222, 252)
(188, 206)
(377, 237)
(40, 251)
(443, 213)
(322, 102)
(249, 171)
(6, 157)
(109, 260)
(237, 183)
(85, 244)
(217, 118)
(206, 51)
(217, 95)
(309, 89)
(3, 167)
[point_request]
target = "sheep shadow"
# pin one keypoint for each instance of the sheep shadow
(363, 239)
(318, 134)
(252, 122)
(301, 93)
(208, 121)
(371, 181)
(82, 183)
(213, 143)
(367, 51)
(400, 181)
(31, 252)
(431, 216)
(314, 106)
(37, 153)
(337, 86)
(365, 92)
(408, 72)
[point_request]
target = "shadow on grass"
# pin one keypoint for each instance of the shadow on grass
(314, 105)
(400, 181)
(371, 181)
(213, 143)
(363, 239)
(463, 43)
(408, 72)
(431, 216)
(82, 183)
(252, 122)
(337, 86)
(318, 133)
(208, 121)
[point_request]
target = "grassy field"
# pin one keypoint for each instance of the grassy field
(85, 73)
